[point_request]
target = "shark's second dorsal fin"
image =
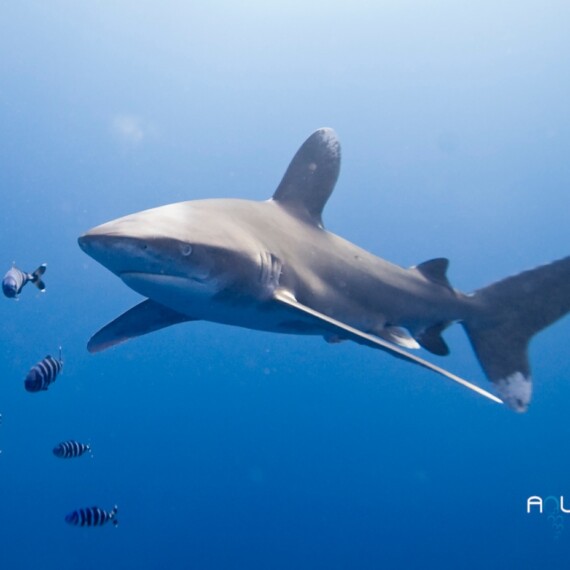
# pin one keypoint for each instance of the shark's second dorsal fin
(311, 176)
(435, 270)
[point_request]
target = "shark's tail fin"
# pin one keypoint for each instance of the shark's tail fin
(510, 312)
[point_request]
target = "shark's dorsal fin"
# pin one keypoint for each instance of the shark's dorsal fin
(435, 270)
(311, 176)
(143, 318)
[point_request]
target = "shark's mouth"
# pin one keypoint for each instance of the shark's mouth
(163, 285)
(154, 276)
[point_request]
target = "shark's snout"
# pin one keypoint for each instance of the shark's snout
(100, 238)
(86, 242)
(90, 243)
(116, 253)
(96, 244)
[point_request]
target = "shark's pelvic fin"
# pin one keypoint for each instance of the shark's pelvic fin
(346, 331)
(311, 176)
(398, 336)
(144, 318)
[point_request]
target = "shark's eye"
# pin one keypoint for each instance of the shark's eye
(186, 249)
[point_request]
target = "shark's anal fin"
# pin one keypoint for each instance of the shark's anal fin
(348, 332)
(144, 318)
(431, 339)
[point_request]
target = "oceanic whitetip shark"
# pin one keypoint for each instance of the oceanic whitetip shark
(272, 266)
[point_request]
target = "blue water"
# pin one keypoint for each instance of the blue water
(227, 448)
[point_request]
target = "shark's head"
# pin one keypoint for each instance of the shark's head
(181, 254)
(187, 254)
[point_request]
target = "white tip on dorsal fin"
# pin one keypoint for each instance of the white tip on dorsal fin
(311, 176)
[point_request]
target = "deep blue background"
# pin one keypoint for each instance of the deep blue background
(227, 448)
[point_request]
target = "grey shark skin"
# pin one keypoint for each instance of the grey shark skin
(272, 266)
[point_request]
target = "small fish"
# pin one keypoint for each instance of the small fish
(43, 373)
(92, 516)
(15, 279)
(70, 448)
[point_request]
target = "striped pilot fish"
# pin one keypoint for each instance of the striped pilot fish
(43, 373)
(67, 449)
(92, 516)
(15, 279)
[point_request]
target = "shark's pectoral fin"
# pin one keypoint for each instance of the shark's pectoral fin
(144, 318)
(348, 332)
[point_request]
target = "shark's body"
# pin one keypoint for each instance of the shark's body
(272, 266)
